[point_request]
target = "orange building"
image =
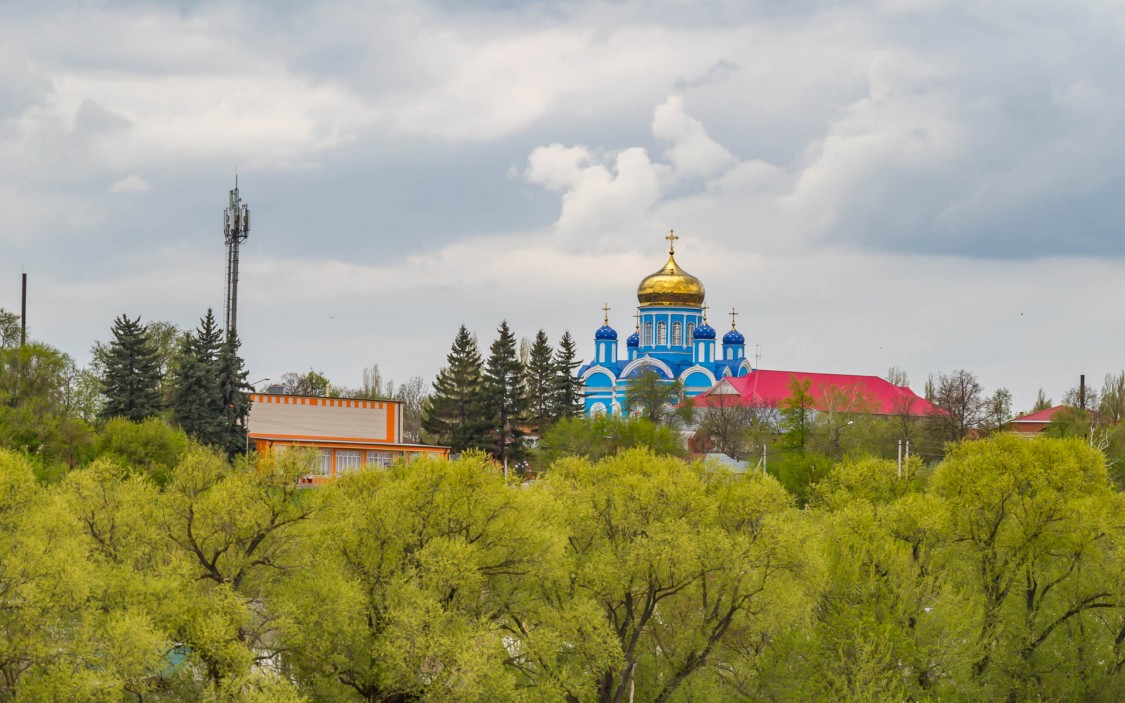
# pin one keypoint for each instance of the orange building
(346, 434)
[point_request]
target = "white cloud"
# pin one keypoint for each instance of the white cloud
(693, 153)
(131, 184)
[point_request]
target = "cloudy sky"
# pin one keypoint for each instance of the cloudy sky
(929, 185)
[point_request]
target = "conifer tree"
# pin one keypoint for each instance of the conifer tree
(234, 395)
(131, 380)
(197, 406)
(540, 384)
(453, 414)
(568, 389)
(505, 399)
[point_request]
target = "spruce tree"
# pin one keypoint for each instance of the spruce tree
(505, 400)
(131, 380)
(234, 394)
(540, 385)
(568, 399)
(196, 404)
(453, 413)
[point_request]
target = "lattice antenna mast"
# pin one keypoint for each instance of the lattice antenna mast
(236, 228)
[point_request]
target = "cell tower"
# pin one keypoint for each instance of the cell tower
(236, 228)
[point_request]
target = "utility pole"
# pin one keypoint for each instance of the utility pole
(23, 314)
(763, 459)
(900, 458)
(236, 228)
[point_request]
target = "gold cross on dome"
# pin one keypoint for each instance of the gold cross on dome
(605, 312)
(704, 313)
(733, 314)
(637, 320)
(671, 241)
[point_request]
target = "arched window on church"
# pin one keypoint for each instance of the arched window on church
(677, 334)
(690, 331)
(648, 334)
(661, 333)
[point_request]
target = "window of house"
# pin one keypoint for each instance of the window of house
(677, 334)
(380, 459)
(348, 460)
(661, 333)
(324, 466)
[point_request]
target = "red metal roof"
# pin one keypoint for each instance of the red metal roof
(1043, 416)
(870, 393)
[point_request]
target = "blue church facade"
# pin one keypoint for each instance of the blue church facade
(671, 337)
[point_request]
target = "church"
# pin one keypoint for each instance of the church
(671, 337)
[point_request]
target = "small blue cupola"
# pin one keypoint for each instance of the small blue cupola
(632, 344)
(734, 344)
(703, 343)
(605, 341)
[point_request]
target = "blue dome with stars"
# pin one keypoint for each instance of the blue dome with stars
(704, 331)
(605, 332)
(733, 337)
(634, 340)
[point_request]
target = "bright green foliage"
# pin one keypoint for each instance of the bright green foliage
(568, 389)
(656, 399)
(605, 435)
(131, 379)
(151, 447)
(235, 529)
(504, 399)
(453, 414)
(9, 329)
(36, 411)
(196, 402)
(679, 559)
(797, 413)
(540, 385)
(1032, 532)
(419, 575)
(312, 383)
(234, 397)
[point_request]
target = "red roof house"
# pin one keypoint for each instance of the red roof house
(870, 394)
(1034, 423)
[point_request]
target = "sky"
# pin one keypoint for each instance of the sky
(933, 186)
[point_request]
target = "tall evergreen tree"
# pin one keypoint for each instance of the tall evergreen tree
(540, 384)
(197, 406)
(234, 392)
(568, 389)
(505, 399)
(131, 380)
(453, 413)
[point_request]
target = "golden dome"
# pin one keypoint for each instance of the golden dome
(671, 285)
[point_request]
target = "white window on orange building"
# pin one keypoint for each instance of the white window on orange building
(379, 459)
(324, 466)
(348, 461)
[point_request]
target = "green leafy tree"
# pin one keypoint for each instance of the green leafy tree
(1030, 540)
(797, 413)
(998, 410)
(234, 396)
(151, 447)
(541, 385)
(960, 397)
(9, 329)
(604, 435)
(313, 383)
(568, 399)
(37, 414)
(131, 377)
(1112, 404)
(453, 414)
(679, 560)
(659, 400)
(1042, 402)
(504, 399)
(197, 403)
(417, 589)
